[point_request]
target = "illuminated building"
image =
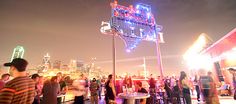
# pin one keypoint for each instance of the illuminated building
(46, 62)
(223, 56)
(57, 64)
(217, 57)
(65, 67)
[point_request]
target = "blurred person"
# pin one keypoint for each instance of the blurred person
(175, 95)
(207, 87)
(21, 89)
(100, 87)
(94, 91)
(4, 79)
(172, 81)
(79, 90)
(127, 82)
(86, 89)
(185, 87)
(159, 83)
(138, 85)
(152, 89)
(103, 86)
(35, 77)
(40, 84)
(191, 85)
(197, 88)
(233, 72)
(63, 86)
(214, 98)
(168, 89)
(51, 89)
(110, 95)
(152, 83)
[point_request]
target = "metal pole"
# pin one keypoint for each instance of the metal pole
(114, 56)
(144, 67)
(159, 61)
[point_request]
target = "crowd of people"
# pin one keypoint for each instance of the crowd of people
(178, 90)
(36, 89)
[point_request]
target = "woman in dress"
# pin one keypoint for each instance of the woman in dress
(185, 87)
(110, 95)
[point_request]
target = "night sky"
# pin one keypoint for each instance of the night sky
(70, 29)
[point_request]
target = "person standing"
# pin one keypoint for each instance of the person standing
(100, 88)
(233, 72)
(21, 89)
(63, 86)
(208, 88)
(79, 89)
(110, 96)
(197, 88)
(51, 89)
(35, 77)
(184, 87)
(4, 79)
(152, 89)
(214, 94)
(138, 85)
(94, 87)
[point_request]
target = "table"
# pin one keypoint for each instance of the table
(63, 96)
(132, 96)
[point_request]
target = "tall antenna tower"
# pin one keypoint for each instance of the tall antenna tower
(46, 62)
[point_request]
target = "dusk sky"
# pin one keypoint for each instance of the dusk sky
(70, 29)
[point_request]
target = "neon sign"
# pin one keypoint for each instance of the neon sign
(132, 24)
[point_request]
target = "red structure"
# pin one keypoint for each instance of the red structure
(223, 54)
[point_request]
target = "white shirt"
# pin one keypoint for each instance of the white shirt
(79, 85)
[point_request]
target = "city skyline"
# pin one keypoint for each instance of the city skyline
(71, 30)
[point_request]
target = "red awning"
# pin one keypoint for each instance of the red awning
(226, 43)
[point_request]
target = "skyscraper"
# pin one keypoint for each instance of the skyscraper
(46, 62)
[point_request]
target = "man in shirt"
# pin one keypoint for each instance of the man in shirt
(142, 90)
(94, 91)
(79, 90)
(21, 89)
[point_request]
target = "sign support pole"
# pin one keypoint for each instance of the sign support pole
(159, 61)
(114, 56)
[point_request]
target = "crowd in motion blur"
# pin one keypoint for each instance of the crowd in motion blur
(35, 89)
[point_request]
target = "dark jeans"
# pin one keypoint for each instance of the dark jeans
(36, 101)
(152, 92)
(99, 94)
(79, 100)
(198, 92)
(59, 100)
(187, 98)
(206, 93)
